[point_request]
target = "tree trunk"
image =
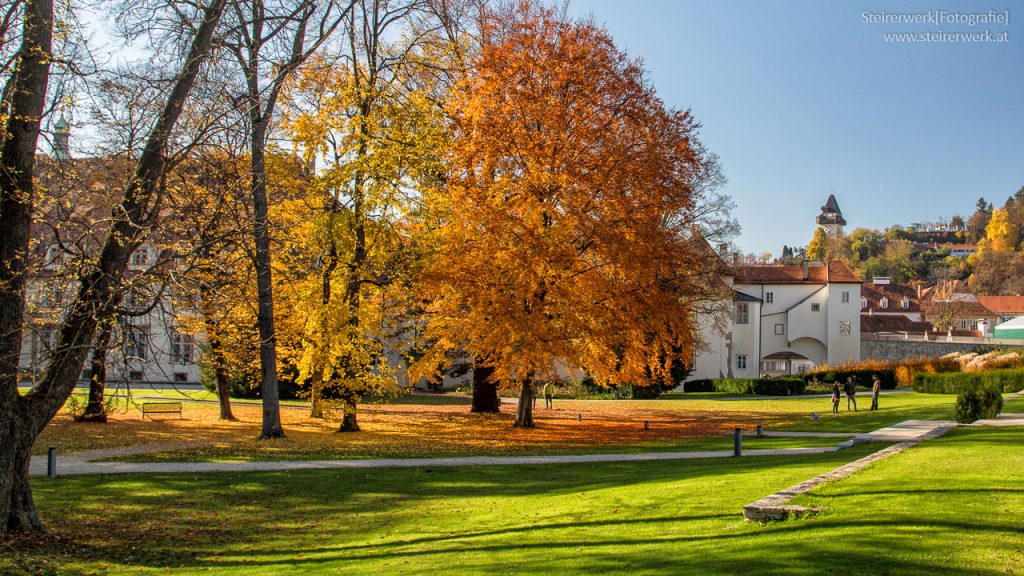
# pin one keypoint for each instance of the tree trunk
(220, 364)
(316, 405)
(19, 509)
(95, 410)
(23, 113)
(220, 377)
(22, 418)
(264, 283)
(524, 414)
(485, 393)
(348, 421)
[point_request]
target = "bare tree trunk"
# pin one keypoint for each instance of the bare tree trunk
(485, 394)
(95, 410)
(524, 414)
(22, 418)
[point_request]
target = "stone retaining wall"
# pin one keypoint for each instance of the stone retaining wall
(897, 350)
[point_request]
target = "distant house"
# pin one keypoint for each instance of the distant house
(784, 320)
(1006, 307)
(960, 312)
(961, 250)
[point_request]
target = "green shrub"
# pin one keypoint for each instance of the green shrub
(862, 376)
(977, 404)
(1011, 380)
(762, 386)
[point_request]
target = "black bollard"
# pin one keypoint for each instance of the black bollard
(51, 462)
(647, 425)
(579, 417)
(760, 430)
(737, 442)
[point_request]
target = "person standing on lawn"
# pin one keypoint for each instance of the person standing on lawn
(876, 387)
(851, 394)
(549, 395)
(835, 397)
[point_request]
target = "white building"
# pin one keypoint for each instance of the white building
(147, 345)
(785, 320)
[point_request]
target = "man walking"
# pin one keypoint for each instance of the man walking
(876, 387)
(851, 394)
(549, 395)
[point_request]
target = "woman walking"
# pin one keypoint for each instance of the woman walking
(835, 397)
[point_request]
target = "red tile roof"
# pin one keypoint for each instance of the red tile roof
(1003, 304)
(874, 293)
(892, 323)
(817, 273)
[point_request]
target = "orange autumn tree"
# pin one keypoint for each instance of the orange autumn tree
(571, 230)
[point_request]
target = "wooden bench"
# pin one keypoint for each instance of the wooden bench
(161, 408)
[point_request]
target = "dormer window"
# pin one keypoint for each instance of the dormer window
(884, 302)
(863, 302)
(906, 304)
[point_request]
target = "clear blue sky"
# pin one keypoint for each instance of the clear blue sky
(800, 98)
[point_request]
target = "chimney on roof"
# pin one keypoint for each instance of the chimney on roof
(918, 291)
(806, 275)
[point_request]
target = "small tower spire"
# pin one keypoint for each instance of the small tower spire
(61, 135)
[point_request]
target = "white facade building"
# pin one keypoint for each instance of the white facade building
(786, 320)
(147, 346)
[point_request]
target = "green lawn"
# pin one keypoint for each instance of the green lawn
(951, 506)
(795, 413)
(334, 452)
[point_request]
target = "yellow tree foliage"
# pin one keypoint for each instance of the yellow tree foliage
(569, 226)
(377, 138)
(818, 247)
(1000, 233)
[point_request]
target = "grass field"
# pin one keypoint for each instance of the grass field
(951, 506)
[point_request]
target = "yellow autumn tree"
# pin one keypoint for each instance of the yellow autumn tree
(1000, 233)
(571, 224)
(818, 247)
(377, 138)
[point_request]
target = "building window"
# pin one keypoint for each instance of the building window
(780, 329)
(906, 304)
(863, 303)
(742, 313)
(181, 376)
(846, 296)
(769, 297)
(774, 365)
(884, 302)
(181, 348)
(963, 324)
(815, 307)
(741, 361)
(141, 256)
(136, 341)
(845, 327)
(135, 375)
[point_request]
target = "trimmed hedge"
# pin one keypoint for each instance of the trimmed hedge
(981, 403)
(703, 385)
(863, 377)
(762, 386)
(1011, 380)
